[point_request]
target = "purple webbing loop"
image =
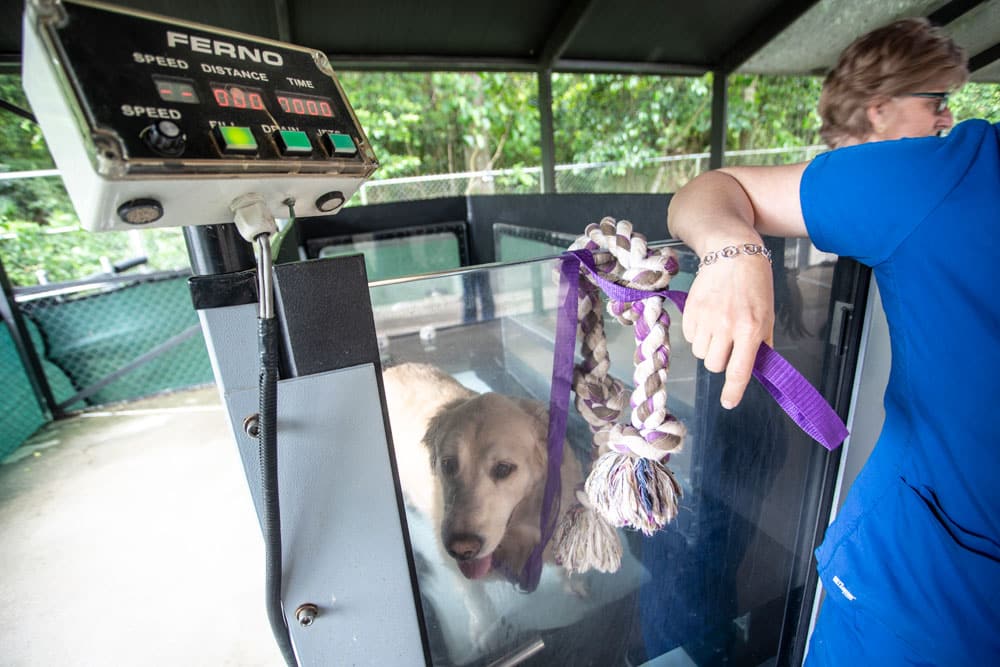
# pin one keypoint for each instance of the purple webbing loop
(790, 390)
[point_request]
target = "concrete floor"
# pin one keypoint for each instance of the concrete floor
(127, 536)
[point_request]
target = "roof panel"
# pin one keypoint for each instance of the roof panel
(691, 33)
(254, 17)
(979, 29)
(443, 28)
(813, 43)
(988, 74)
(624, 35)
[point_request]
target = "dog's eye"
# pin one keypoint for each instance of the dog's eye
(503, 470)
(449, 466)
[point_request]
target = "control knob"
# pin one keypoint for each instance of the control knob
(165, 137)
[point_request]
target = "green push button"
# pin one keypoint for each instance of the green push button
(339, 144)
(293, 142)
(235, 139)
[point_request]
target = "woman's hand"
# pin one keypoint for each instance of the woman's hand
(730, 307)
(729, 313)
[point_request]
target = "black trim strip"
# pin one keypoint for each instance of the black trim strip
(224, 289)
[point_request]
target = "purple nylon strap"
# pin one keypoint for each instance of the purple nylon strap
(562, 387)
(790, 390)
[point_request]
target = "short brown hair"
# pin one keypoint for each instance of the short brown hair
(888, 61)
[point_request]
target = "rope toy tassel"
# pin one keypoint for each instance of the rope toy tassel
(633, 492)
(585, 541)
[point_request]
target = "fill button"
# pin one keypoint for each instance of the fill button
(339, 144)
(235, 139)
(293, 142)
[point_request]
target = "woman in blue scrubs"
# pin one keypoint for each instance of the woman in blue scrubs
(911, 565)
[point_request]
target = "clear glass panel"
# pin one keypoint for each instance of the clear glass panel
(516, 243)
(716, 586)
(409, 255)
(392, 258)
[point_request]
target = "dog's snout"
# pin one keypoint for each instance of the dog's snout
(464, 547)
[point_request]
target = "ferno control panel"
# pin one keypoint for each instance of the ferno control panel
(159, 122)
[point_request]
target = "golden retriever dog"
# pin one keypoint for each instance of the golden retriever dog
(475, 464)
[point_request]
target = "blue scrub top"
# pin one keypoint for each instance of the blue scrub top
(917, 543)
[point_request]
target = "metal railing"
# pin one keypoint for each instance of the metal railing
(656, 175)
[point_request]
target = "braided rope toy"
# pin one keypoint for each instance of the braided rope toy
(629, 484)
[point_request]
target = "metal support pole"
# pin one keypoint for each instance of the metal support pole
(30, 358)
(717, 150)
(547, 130)
(216, 249)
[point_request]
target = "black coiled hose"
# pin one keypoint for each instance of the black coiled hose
(268, 456)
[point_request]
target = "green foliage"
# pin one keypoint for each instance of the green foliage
(977, 100)
(448, 122)
(71, 253)
(28, 249)
(772, 111)
(23, 147)
(612, 117)
(39, 229)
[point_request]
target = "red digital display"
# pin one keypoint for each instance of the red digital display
(302, 105)
(238, 97)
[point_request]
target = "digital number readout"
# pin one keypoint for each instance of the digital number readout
(305, 106)
(173, 89)
(238, 97)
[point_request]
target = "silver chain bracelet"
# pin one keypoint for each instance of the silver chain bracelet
(733, 251)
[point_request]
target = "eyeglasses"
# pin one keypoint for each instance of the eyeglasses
(942, 99)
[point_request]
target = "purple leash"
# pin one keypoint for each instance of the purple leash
(790, 390)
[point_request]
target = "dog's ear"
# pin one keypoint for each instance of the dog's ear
(538, 411)
(438, 427)
(539, 414)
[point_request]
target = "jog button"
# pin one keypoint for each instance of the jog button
(235, 139)
(339, 145)
(293, 142)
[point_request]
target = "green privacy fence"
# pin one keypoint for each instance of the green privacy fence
(103, 343)
(120, 342)
(22, 414)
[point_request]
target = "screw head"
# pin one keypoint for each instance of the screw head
(306, 614)
(251, 425)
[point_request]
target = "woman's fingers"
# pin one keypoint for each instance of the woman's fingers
(717, 357)
(739, 370)
(728, 315)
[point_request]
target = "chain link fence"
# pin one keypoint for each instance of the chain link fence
(657, 175)
(119, 337)
(118, 340)
(22, 414)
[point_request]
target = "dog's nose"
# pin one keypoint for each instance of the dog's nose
(464, 547)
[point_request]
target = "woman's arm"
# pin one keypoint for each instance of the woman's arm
(730, 307)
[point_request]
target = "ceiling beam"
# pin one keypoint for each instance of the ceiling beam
(10, 62)
(444, 64)
(404, 63)
(951, 11)
(562, 34)
(984, 58)
(627, 67)
(760, 35)
(283, 20)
